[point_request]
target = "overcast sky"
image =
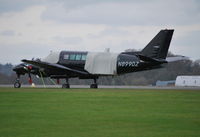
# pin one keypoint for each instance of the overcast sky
(33, 28)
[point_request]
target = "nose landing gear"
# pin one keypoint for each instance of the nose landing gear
(17, 83)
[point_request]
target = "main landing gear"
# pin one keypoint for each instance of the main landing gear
(95, 85)
(17, 83)
(67, 84)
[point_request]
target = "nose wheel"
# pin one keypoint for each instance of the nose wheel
(17, 83)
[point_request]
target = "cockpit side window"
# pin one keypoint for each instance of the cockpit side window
(72, 56)
(66, 56)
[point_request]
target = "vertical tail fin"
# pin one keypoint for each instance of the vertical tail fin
(159, 45)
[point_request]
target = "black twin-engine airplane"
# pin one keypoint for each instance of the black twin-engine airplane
(92, 65)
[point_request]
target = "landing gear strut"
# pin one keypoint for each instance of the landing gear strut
(67, 84)
(95, 85)
(17, 83)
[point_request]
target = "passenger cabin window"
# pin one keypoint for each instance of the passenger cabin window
(78, 57)
(83, 57)
(72, 56)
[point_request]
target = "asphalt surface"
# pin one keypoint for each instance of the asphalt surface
(110, 86)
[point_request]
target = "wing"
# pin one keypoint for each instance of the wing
(47, 65)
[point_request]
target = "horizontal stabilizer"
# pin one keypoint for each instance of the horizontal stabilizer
(178, 58)
(153, 60)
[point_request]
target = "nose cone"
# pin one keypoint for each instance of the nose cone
(21, 68)
(25, 68)
(18, 67)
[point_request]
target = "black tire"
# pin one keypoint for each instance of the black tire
(93, 86)
(65, 86)
(17, 84)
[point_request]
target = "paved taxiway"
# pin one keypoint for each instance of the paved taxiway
(110, 86)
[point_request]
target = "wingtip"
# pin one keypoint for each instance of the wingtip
(23, 60)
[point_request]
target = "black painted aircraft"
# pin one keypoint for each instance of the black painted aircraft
(91, 65)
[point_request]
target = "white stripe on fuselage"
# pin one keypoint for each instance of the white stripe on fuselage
(103, 63)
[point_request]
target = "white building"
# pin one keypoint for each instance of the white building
(187, 81)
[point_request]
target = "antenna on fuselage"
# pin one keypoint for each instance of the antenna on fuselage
(107, 50)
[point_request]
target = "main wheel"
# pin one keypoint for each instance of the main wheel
(93, 86)
(17, 84)
(65, 86)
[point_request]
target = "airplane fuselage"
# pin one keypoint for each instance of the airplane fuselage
(76, 60)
